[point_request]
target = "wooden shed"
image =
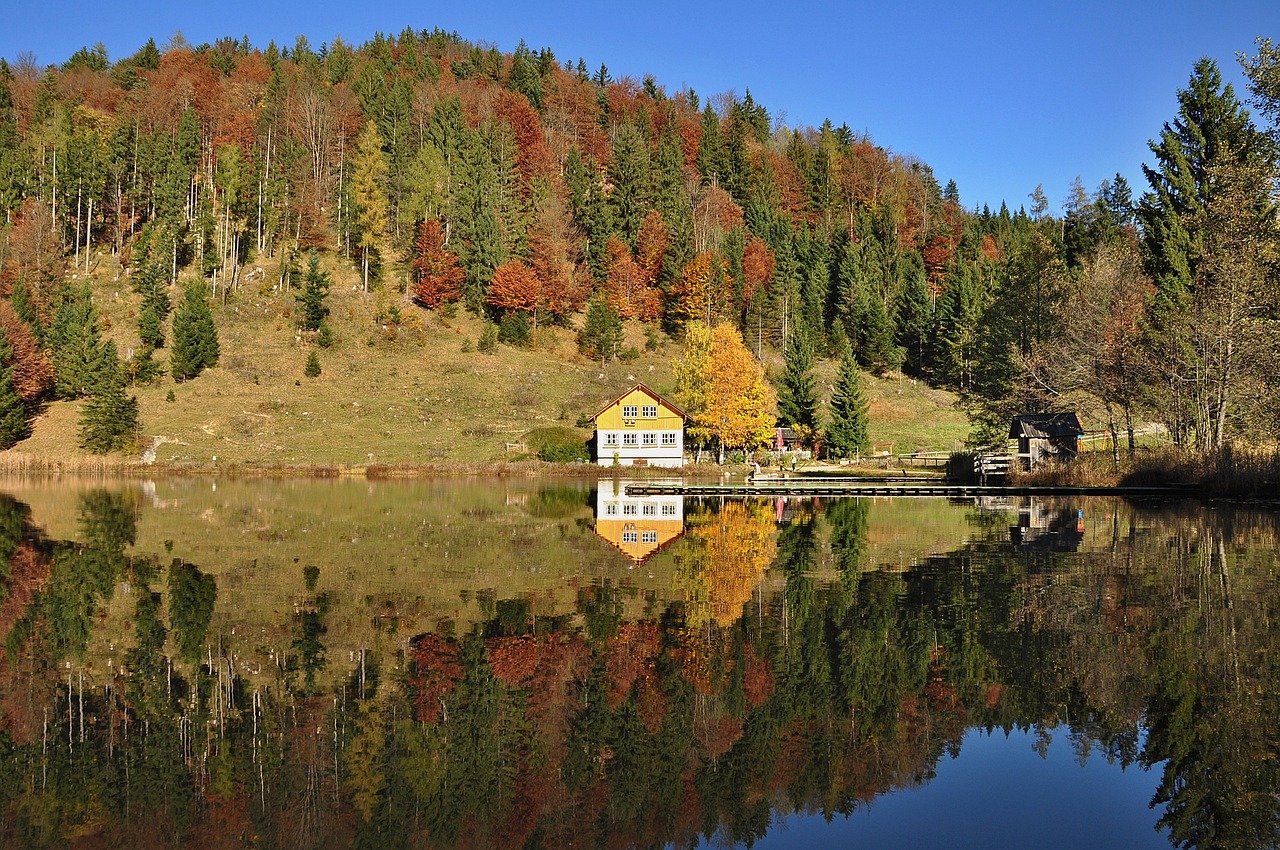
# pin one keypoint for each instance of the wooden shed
(1046, 436)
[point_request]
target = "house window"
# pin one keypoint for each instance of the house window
(669, 438)
(650, 411)
(668, 510)
(630, 537)
(611, 438)
(628, 510)
(629, 439)
(650, 510)
(649, 537)
(611, 510)
(650, 438)
(629, 411)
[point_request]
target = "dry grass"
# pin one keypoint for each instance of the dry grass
(1229, 472)
(390, 397)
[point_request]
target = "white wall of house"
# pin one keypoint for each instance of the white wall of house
(651, 447)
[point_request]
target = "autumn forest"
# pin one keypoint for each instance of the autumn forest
(537, 193)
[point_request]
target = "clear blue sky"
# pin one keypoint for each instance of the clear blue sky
(999, 96)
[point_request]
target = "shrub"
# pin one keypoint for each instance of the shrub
(558, 445)
(514, 330)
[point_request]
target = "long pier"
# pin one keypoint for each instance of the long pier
(862, 487)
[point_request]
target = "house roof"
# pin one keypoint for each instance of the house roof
(644, 389)
(1044, 426)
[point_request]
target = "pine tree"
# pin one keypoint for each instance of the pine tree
(195, 337)
(312, 369)
(846, 433)
(109, 421)
(797, 393)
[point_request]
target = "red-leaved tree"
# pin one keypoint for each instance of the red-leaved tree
(437, 275)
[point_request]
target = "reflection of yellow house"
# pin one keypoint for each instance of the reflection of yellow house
(637, 525)
(640, 428)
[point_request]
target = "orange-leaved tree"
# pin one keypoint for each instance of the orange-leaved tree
(699, 291)
(624, 285)
(437, 275)
(516, 287)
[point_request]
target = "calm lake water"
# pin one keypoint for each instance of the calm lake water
(540, 663)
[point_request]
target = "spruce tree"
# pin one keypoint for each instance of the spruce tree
(797, 393)
(1212, 129)
(312, 369)
(75, 338)
(109, 421)
(195, 338)
(601, 334)
(846, 433)
(914, 323)
(315, 286)
(14, 423)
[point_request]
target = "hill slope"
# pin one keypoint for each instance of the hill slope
(412, 393)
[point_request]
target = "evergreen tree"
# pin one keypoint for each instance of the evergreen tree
(846, 433)
(315, 286)
(195, 337)
(14, 422)
(914, 321)
(1212, 129)
(109, 421)
(601, 334)
(797, 392)
(312, 369)
(75, 338)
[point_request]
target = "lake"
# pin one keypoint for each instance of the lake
(549, 663)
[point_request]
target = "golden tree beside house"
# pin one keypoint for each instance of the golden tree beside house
(639, 428)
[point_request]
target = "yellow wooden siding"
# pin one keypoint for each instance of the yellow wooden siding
(610, 419)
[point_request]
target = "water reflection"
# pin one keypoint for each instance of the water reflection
(482, 664)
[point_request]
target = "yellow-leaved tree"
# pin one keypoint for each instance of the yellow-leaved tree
(693, 379)
(723, 390)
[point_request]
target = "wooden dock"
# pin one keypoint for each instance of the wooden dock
(890, 487)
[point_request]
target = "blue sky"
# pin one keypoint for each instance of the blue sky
(999, 96)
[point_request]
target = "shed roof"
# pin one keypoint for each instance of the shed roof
(1045, 426)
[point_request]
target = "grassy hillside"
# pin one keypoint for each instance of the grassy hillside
(410, 392)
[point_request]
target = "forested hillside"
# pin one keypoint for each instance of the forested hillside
(537, 193)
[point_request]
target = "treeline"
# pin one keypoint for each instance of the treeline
(531, 188)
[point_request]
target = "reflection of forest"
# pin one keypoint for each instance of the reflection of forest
(789, 675)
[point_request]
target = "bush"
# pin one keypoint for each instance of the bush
(558, 445)
(514, 330)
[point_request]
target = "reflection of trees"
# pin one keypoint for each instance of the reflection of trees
(722, 560)
(595, 729)
(1214, 700)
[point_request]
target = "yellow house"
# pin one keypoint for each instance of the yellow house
(640, 428)
(639, 526)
